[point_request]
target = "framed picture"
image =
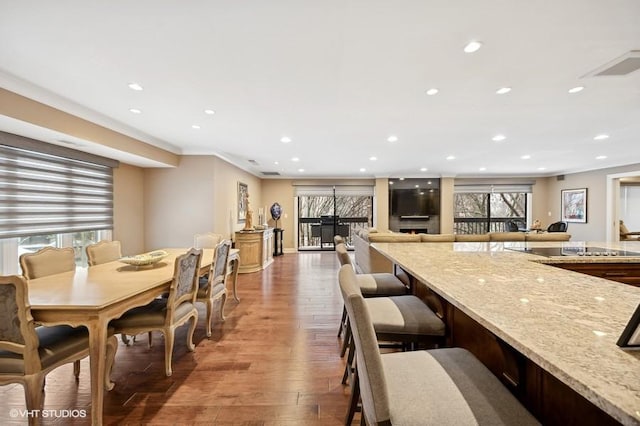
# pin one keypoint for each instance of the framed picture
(631, 335)
(242, 202)
(573, 205)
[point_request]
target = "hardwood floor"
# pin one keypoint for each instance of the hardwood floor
(275, 361)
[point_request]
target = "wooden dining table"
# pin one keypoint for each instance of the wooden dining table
(91, 297)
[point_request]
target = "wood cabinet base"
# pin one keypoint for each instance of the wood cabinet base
(255, 250)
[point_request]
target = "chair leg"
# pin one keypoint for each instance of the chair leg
(223, 300)
(342, 321)
(347, 339)
(354, 398)
(34, 393)
(192, 328)
(209, 304)
(169, 337)
(76, 369)
(150, 339)
(348, 368)
(112, 348)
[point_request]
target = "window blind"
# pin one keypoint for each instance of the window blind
(45, 194)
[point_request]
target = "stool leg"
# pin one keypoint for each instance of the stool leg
(353, 399)
(347, 339)
(348, 368)
(342, 321)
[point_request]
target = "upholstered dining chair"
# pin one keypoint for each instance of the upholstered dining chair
(167, 314)
(28, 353)
(438, 386)
(214, 288)
(47, 261)
(103, 252)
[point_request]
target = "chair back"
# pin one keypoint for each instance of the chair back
(343, 255)
(47, 261)
(207, 240)
(17, 328)
(337, 239)
(184, 286)
(373, 385)
(557, 227)
(218, 272)
(103, 252)
(510, 226)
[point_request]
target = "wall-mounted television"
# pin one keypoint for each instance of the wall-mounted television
(414, 202)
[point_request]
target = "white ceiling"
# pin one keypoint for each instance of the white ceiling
(339, 78)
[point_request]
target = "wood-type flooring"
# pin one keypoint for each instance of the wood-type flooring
(274, 361)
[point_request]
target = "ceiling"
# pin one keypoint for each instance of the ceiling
(339, 78)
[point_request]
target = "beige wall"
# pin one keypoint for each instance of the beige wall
(446, 205)
(128, 208)
(381, 215)
(281, 191)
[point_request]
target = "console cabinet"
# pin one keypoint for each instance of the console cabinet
(255, 249)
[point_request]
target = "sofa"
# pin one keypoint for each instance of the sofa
(369, 261)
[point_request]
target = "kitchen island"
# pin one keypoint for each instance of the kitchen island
(549, 333)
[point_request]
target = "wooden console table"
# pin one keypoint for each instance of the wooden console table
(255, 249)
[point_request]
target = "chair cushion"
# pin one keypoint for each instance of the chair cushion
(448, 386)
(403, 315)
(151, 315)
(56, 344)
(380, 284)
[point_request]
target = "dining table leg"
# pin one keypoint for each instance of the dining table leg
(235, 265)
(97, 360)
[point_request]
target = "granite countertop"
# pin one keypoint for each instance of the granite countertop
(566, 322)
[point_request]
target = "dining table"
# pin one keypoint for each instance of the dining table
(93, 296)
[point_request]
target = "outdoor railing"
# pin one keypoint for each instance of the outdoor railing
(482, 225)
(308, 238)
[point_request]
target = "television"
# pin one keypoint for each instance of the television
(414, 202)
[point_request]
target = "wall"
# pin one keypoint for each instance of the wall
(381, 213)
(128, 208)
(200, 195)
(540, 202)
(281, 191)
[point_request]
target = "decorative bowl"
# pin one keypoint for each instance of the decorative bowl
(145, 259)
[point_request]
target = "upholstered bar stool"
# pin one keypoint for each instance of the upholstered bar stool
(439, 386)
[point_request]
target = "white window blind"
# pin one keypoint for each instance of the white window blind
(43, 194)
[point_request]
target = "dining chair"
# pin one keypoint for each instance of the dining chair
(167, 314)
(214, 288)
(103, 252)
(437, 386)
(557, 227)
(47, 261)
(626, 235)
(28, 352)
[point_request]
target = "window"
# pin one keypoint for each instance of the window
(51, 196)
(479, 209)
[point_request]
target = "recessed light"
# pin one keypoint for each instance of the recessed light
(482, 169)
(362, 169)
(601, 137)
(472, 46)
(417, 186)
(301, 170)
(421, 192)
(135, 86)
(392, 138)
(576, 89)
(135, 110)
(373, 158)
(432, 91)
(401, 178)
(526, 157)
(276, 162)
(429, 183)
(390, 182)
(423, 169)
(195, 126)
(285, 139)
(209, 111)
(498, 138)
(542, 168)
(601, 157)
(503, 90)
(451, 157)
(295, 159)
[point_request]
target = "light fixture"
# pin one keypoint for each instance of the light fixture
(428, 182)
(195, 126)
(276, 162)
(392, 138)
(503, 90)
(373, 158)
(209, 111)
(526, 157)
(301, 170)
(601, 157)
(417, 186)
(451, 157)
(482, 169)
(432, 91)
(423, 169)
(294, 159)
(576, 89)
(135, 110)
(135, 86)
(362, 169)
(472, 46)
(401, 178)
(498, 138)
(601, 137)
(390, 182)
(542, 168)
(285, 139)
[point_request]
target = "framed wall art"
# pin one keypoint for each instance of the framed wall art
(573, 205)
(242, 202)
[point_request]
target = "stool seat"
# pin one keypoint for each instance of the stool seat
(380, 284)
(399, 317)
